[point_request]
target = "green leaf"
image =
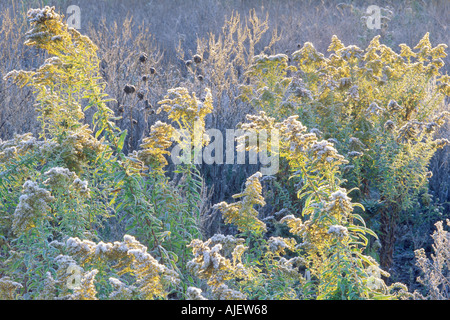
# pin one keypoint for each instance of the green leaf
(121, 141)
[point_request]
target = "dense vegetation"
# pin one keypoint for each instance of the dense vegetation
(92, 210)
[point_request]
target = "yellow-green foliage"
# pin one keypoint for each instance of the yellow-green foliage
(355, 115)
(189, 113)
(380, 108)
(242, 213)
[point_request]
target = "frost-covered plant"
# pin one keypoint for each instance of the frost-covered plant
(333, 234)
(8, 289)
(81, 164)
(435, 275)
(32, 208)
(242, 213)
(209, 264)
(155, 145)
(129, 257)
(389, 101)
(188, 112)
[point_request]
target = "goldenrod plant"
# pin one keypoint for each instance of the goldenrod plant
(90, 210)
(73, 177)
(379, 107)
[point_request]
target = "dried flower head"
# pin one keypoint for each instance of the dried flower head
(128, 89)
(278, 245)
(197, 58)
(33, 205)
(155, 146)
(121, 290)
(242, 213)
(208, 262)
(8, 288)
(374, 108)
(143, 57)
(59, 178)
(193, 293)
(338, 231)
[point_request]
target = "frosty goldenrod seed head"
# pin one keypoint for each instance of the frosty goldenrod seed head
(374, 108)
(242, 213)
(33, 205)
(155, 146)
(338, 231)
(41, 15)
(121, 290)
(8, 288)
(278, 245)
(152, 278)
(210, 264)
(223, 292)
(59, 178)
(193, 293)
(389, 125)
(441, 143)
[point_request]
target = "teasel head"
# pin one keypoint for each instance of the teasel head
(197, 58)
(152, 70)
(188, 63)
(200, 77)
(143, 57)
(145, 77)
(129, 89)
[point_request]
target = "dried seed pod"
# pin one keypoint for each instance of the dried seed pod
(197, 58)
(200, 77)
(188, 63)
(129, 89)
(145, 77)
(135, 121)
(152, 70)
(121, 109)
(140, 95)
(143, 57)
